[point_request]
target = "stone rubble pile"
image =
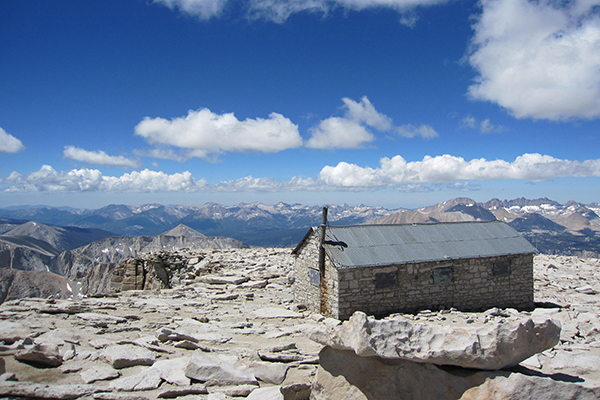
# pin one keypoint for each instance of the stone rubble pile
(225, 326)
(181, 267)
(161, 270)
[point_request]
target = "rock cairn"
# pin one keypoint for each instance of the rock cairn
(226, 327)
(166, 269)
(151, 271)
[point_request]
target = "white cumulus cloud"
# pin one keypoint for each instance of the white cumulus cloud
(364, 112)
(203, 9)
(395, 173)
(411, 131)
(538, 59)
(98, 157)
(163, 154)
(205, 134)
(338, 133)
(153, 181)
(9, 143)
(280, 10)
(447, 168)
(47, 179)
(349, 131)
(484, 126)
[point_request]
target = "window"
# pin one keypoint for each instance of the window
(501, 268)
(442, 275)
(385, 280)
(314, 277)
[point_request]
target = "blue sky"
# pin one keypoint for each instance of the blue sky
(399, 103)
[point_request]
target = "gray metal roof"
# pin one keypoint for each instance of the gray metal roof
(370, 245)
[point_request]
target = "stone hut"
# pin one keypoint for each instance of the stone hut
(382, 269)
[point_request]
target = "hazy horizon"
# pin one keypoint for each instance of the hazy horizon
(34, 206)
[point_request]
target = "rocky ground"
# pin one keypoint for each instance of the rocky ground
(567, 289)
(233, 331)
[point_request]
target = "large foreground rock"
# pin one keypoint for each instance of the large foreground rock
(492, 345)
(344, 375)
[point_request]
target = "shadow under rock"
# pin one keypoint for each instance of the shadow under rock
(557, 377)
(548, 304)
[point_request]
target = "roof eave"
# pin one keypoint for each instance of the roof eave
(339, 265)
(304, 239)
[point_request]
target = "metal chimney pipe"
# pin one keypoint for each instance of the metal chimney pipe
(322, 263)
(323, 228)
(322, 241)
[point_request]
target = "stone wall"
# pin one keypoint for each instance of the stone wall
(307, 293)
(468, 285)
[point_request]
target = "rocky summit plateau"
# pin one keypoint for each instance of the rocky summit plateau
(222, 324)
(196, 312)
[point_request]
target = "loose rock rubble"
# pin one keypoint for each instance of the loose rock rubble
(224, 332)
(232, 331)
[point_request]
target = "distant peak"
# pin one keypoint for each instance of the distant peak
(37, 225)
(463, 200)
(182, 230)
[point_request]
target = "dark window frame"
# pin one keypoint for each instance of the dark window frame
(501, 268)
(314, 277)
(441, 275)
(385, 280)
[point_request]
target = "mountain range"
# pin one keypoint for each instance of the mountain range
(83, 246)
(282, 224)
(571, 229)
(258, 224)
